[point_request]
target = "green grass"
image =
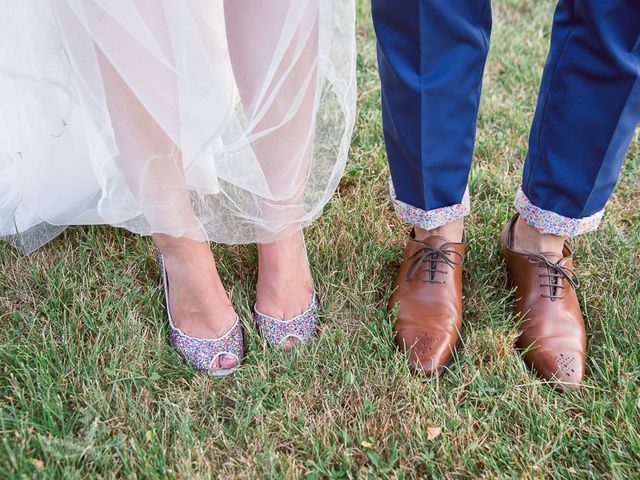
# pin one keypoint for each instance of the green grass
(90, 386)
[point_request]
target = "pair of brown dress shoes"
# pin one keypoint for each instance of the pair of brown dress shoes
(427, 306)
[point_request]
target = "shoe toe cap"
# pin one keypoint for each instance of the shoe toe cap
(429, 353)
(564, 368)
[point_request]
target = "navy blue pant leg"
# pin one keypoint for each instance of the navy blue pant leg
(431, 56)
(588, 108)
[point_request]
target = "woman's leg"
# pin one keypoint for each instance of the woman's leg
(277, 75)
(153, 169)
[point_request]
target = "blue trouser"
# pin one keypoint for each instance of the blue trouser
(431, 56)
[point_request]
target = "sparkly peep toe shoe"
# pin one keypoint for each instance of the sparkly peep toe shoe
(301, 327)
(203, 352)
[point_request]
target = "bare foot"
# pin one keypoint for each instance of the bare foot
(453, 231)
(285, 285)
(199, 304)
(527, 238)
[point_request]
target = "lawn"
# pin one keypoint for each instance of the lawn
(90, 386)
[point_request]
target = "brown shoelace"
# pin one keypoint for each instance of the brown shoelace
(555, 272)
(434, 257)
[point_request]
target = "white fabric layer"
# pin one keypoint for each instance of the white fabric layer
(219, 120)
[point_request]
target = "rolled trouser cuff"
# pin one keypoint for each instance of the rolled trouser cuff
(548, 222)
(430, 219)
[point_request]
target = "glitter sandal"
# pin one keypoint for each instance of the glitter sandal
(203, 352)
(301, 327)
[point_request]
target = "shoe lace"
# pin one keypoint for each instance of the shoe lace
(434, 257)
(554, 273)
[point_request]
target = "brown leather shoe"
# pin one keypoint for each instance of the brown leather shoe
(553, 335)
(429, 299)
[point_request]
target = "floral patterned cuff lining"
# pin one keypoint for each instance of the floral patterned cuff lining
(546, 221)
(430, 219)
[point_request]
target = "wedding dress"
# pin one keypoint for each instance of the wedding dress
(225, 121)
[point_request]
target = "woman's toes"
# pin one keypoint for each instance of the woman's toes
(227, 361)
(289, 344)
(224, 362)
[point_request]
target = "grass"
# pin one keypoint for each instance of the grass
(90, 386)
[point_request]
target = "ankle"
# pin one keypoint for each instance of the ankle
(291, 244)
(527, 238)
(285, 283)
(452, 231)
(181, 247)
(283, 255)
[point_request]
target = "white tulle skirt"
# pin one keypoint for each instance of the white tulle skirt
(227, 121)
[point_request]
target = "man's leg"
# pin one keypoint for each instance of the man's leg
(587, 112)
(431, 57)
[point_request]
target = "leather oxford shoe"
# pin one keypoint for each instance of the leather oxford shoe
(428, 298)
(553, 336)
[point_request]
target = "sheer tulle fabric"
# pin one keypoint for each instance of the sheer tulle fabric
(227, 121)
